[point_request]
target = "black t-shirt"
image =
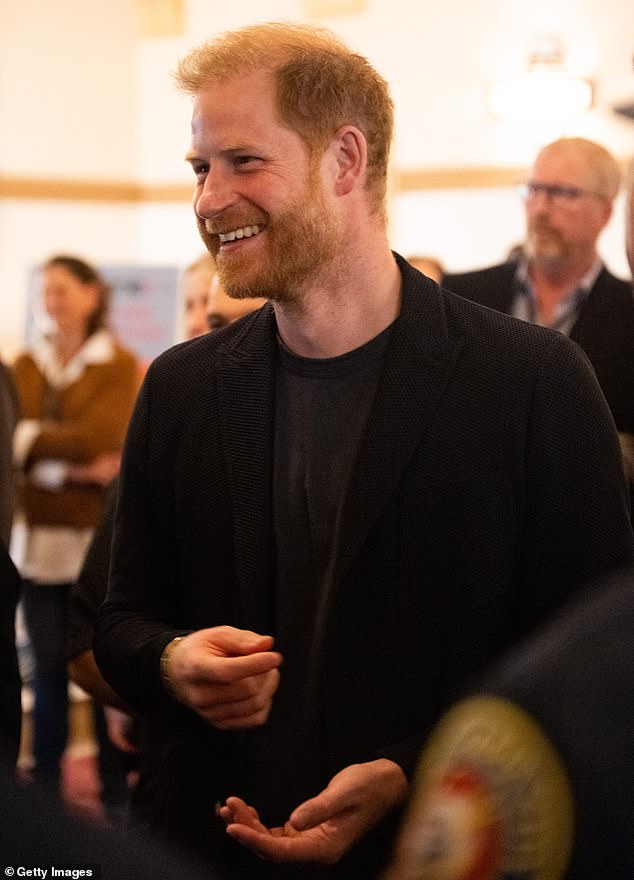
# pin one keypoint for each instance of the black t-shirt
(321, 410)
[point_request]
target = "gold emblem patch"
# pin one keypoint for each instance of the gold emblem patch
(491, 801)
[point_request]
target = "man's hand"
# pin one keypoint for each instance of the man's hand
(101, 470)
(227, 675)
(324, 828)
(120, 726)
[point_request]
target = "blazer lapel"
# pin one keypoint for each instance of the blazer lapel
(246, 377)
(418, 363)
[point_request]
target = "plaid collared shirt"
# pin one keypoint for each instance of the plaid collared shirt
(525, 305)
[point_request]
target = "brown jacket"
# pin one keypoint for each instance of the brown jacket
(92, 416)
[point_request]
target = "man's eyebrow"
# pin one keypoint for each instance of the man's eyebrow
(229, 150)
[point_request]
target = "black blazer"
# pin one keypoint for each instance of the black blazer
(604, 328)
(10, 683)
(575, 680)
(8, 420)
(483, 493)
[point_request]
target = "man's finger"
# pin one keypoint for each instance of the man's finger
(236, 642)
(225, 670)
(235, 810)
(329, 803)
(278, 848)
(257, 701)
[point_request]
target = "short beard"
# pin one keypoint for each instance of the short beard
(551, 256)
(210, 240)
(300, 245)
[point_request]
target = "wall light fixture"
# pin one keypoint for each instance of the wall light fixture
(546, 92)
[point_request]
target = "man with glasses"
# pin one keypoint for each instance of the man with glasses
(561, 282)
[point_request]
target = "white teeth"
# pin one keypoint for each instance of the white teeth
(243, 232)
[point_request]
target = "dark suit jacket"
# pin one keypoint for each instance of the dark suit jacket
(10, 683)
(89, 590)
(572, 683)
(8, 420)
(604, 328)
(483, 493)
(576, 681)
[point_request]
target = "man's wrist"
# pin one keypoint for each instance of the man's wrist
(165, 662)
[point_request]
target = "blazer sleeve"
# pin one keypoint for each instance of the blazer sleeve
(10, 684)
(131, 627)
(89, 590)
(577, 517)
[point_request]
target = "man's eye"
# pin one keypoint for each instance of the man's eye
(244, 161)
(201, 172)
(566, 192)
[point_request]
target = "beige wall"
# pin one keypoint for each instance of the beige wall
(84, 98)
(67, 111)
(68, 96)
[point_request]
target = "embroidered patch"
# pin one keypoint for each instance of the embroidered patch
(491, 801)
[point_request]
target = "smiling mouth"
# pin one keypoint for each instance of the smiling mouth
(241, 232)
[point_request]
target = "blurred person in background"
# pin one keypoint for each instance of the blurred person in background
(558, 279)
(206, 306)
(194, 285)
(76, 388)
(223, 309)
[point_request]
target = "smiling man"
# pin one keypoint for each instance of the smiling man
(338, 508)
(275, 237)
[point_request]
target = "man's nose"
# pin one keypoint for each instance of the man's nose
(216, 195)
(539, 210)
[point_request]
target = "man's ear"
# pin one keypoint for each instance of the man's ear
(351, 152)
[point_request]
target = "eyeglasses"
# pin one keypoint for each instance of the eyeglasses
(564, 196)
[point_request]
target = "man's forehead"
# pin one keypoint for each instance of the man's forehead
(561, 164)
(253, 86)
(244, 102)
